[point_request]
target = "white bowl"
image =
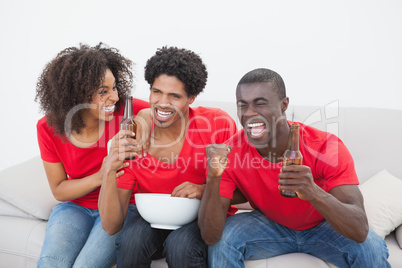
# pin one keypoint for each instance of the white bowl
(163, 211)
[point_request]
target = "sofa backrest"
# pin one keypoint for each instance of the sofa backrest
(372, 135)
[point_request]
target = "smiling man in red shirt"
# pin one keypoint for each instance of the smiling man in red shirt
(175, 163)
(326, 219)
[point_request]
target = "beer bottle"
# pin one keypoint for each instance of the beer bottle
(292, 155)
(128, 123)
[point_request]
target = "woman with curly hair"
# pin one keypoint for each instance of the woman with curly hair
(82, 93)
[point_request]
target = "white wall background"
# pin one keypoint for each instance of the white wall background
(342, 50)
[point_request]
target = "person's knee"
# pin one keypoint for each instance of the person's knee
(53, 261)
(135, 231)
(374, 242)
(130, 251)
(185, 248)
(221, 246)
(130, 239)
(229, 236)
(373, 252)
(127, 242)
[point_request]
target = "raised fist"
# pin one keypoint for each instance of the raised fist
(217, 155)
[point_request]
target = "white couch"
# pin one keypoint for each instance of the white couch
(372, 135)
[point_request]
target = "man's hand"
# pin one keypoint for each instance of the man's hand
(143, 135)
(217, 155)
(298, 178)
(213, 210)
(189, 190)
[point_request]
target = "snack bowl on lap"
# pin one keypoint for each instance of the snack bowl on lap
(163, 211)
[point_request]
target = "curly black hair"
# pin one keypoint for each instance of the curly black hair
(263, 75)
(73, 77)
(184, 64)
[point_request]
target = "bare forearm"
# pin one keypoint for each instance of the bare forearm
(76, 188)
(111, 210)
(212, 213)
(349, 220)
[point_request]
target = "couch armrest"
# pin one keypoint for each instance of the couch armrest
(398, 235)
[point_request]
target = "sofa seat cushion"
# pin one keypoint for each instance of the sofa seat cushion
(288, 260)
(395, 252)
(21, 241)
(299, 260)
(32, 195)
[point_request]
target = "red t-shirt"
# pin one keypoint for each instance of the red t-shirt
(80, 162)
(206, 126)
(330, 162)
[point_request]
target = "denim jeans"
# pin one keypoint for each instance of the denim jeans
(75, 238)
(252, 236)
(138, 244)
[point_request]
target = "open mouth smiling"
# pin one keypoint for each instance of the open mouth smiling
(163, 115)
(257, 129)
(109, 108)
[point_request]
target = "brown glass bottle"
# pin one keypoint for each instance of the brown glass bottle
(128, 123)
(292, 155)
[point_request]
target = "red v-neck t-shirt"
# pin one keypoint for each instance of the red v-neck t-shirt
(330, 162)
(150, 175)
(80, 162)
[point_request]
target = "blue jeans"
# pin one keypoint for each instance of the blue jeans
(138, 244)
(252, 236)
(75, 238)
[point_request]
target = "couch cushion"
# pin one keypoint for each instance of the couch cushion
(300, 260)
(21, 241)
(31, 195)
(6, 209)
(383, 202)
(395, 252)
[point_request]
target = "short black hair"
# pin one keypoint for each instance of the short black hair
(263, 75)
(184, 64)
(72, 78)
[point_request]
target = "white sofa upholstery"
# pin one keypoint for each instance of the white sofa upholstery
(372, 135)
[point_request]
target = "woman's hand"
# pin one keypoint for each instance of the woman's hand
(119, 170)
(128, 147)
